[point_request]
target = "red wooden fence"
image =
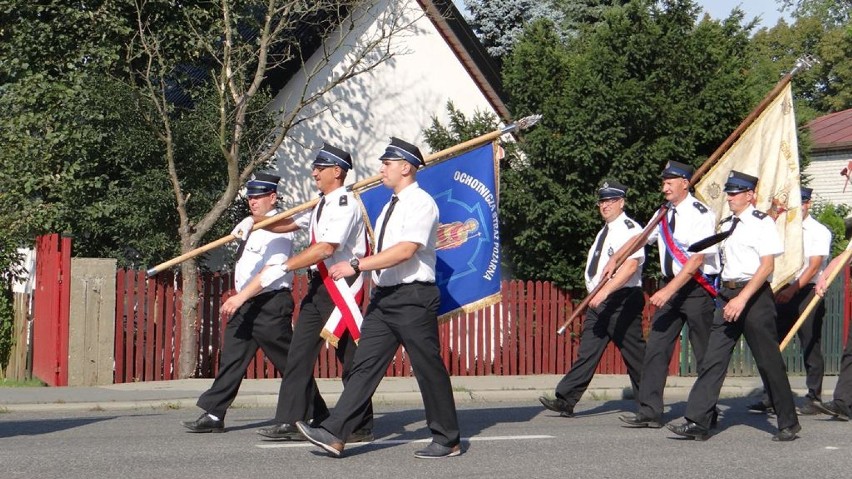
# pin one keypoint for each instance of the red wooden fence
(514, 337)
(51, 309)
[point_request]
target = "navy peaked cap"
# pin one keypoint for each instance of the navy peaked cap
(262, 184)
(333, 156)
(676, 169)
(611, 189)
(739, 181)
(807, 193)
(401, 150)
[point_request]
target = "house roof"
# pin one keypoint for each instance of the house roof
(481, 66)
(832, 131)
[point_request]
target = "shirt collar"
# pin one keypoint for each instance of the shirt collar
(621, 217)
(337, 193)
(746, 212)
(688, 199)
(408, 190)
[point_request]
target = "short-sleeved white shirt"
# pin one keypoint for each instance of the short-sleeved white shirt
(414, 219)
(754, 237)
(264, 248)
(340, 223)
(694, 221)
(621, 230)
(817, 242)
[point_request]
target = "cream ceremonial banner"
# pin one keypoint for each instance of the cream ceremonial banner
(767, 149)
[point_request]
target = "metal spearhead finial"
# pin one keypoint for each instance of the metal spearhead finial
(522, 124)
(805, 62)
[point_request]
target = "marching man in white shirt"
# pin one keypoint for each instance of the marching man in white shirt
(403, 310)
(261, 319)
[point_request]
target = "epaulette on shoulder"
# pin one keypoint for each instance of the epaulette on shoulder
(726, 219)
(759, 214)
(698, 206)
(343, 200)
(630, 224)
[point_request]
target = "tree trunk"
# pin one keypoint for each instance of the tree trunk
(188, 359)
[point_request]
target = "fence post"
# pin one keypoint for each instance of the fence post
(91, 337)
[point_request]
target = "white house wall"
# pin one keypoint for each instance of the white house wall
(398, 98)
(824, 174)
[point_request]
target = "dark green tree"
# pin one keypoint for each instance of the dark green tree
(459, 129)
(837, 12)
(647, 85)
(832, 216)
(499, 23)
(824, 88)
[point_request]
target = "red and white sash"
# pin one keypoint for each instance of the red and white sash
(347, 302)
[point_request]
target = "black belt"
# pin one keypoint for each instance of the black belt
(710, 277)
(274, 291)
(397, 286)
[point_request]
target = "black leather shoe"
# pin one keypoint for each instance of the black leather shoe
(437, 451)
(832, 409)
(690, 429)
(787, 434)
(761, 408)
(809, 408)
(557, 405)
(281, 432)
(361, 435)
(640, 420)
(322, 438)
(205, 423)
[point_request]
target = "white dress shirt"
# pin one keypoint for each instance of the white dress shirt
(817, 242)
(754, 237)
(264, 248)
(621, 230)
(694, 222)
(414, 219)
(340, 223)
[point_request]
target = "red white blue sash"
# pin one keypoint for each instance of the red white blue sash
(680, 256)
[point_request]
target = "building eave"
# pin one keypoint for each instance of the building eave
(458, 35)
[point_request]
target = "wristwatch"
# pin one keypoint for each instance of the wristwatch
(356, 265)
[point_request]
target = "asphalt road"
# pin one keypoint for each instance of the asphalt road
(502, 440)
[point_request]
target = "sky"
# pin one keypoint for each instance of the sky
(718, 9)
(766, 9)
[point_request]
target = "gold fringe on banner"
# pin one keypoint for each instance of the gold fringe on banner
(471, 307)
(330, 338)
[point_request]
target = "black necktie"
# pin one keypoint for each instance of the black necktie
(711, 240)
(668, 269)
(242, 246)
(319, 210)
(596, 256)
(393, 201)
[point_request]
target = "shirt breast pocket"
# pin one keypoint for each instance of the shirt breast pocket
(255, 248)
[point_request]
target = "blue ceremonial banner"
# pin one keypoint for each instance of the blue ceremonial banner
(468, 247)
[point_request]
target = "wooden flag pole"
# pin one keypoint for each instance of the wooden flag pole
(832, 275)
(621, 256)
(367, 183)
(640, 240)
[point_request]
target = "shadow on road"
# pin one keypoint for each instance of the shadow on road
(34, 427)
